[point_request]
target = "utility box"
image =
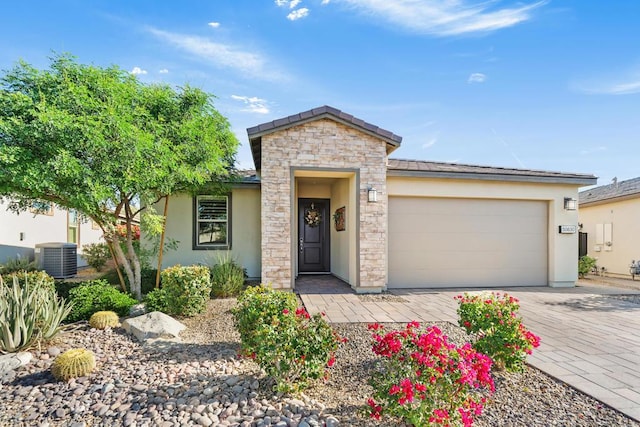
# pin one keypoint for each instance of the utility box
(58, 259)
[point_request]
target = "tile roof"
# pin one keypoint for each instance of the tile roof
(402, 167)
(615, 190)
(255, 133)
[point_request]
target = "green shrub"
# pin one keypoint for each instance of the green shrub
(227, 278)
(187, 289)
(585, 264)
(147, 279)
(289, 344)
(157, 300)
(29, 311)
(17, 264)
(500, 333)
(96, 254)
(257, 306)
(98, 295)
(63, 288)
(36, 278)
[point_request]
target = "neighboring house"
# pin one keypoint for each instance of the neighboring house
(610, 219)
(327, 199)
(19, 233)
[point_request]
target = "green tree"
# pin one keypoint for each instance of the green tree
(100, 141)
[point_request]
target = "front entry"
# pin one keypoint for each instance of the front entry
(313, 236)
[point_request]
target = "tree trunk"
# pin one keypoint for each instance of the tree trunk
(164, 229)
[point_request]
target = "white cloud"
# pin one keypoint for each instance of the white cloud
(298, 14)
(619, 88)
(447, 18)
(593, 150)
(324, 2)
(294, 3)
(477, 78)
(164, 71)
(282, 3)
(430, 143)
(253, 104)
(214, 24)
(138, 70)
(221, 55)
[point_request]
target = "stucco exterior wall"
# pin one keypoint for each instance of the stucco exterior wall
(322, 144)
(245, 232)
(39, 228)
(624, 217)
(563, 248)
(340, 242)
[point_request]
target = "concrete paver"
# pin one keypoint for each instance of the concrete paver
(590, 340)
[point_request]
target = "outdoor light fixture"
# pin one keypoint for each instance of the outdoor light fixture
(570, 204)
(372, 194)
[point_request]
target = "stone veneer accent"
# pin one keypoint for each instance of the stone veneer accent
(323, 144)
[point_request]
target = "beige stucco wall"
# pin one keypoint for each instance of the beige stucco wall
(563, 248)
(625, 244)
(38, 228)
(340, 242)
(245, 232)
(322, 145)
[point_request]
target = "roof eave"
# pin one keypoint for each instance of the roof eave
(573, 180)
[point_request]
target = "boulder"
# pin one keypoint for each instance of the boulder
(10, 362)
(137, 310)
(152, 326)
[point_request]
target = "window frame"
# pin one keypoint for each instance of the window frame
(38, 211)
(196, 221)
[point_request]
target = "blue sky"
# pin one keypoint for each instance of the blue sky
(534, 84)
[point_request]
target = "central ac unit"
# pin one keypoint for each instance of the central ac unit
(58, 259)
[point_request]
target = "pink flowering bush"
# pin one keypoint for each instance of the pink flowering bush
(426, 380)
(499, 330)
(291, 346)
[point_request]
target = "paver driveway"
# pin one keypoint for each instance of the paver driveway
(590, 337)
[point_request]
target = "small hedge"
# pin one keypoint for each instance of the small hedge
(98, 295)
(187, 289)
(37, 277)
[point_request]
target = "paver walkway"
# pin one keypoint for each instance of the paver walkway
(590, 338)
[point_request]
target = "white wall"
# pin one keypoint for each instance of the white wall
(245, 232)
(38, 228)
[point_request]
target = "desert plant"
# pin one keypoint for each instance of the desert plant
(257, 306)
(157, 300)
(98, 295)
(104, 319)
(29, 312)
(227, 277)
(96, 254)
(187, 289)
(585, 265)
(499, 331)
(74, 363)
(37, 278)
(426, 380)
(17, 264)
(292, 346)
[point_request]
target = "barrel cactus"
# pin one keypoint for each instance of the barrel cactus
(73, 363)
(104, 319)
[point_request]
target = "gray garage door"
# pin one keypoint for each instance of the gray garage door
(438, 242)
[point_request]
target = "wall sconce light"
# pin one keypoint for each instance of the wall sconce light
(570, 204)
(372, 195)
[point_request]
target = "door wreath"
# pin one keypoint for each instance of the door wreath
(312, 216)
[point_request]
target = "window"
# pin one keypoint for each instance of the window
(212, 229)
(72, 226)
(41, 208)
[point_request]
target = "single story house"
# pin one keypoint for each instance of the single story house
(610, 225)
(327, 199)
(20, 233)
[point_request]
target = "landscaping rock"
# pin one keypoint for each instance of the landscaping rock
(137, 310)
(154, 325)
(11, 362)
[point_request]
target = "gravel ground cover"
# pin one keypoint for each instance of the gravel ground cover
(203, 382)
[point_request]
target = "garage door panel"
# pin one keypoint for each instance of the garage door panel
(467, 242)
